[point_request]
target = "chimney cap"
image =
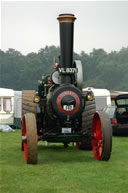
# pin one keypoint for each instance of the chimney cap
(66, 18)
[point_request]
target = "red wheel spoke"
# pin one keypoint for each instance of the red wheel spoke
(94, 135)
(100, 147)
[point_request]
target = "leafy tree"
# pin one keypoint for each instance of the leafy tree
(100, 69)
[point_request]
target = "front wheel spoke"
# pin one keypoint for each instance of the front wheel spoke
(95, 136)
(97, 150)
(96, 146)
(100, 147)
(98, 137)
(100, 143)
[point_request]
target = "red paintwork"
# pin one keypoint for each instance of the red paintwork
(114, 121)
(59, 99)
(37, 137)
(49, 82)
(78, 144)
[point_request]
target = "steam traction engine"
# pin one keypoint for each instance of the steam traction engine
(64, 112)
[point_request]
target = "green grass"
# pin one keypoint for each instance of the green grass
(61, 170)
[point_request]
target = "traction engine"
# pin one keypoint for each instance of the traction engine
(64, 112)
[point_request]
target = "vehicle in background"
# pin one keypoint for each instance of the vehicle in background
(6, 106)
(118, 115)
(17, 109)
(102, 97)
(114, 94)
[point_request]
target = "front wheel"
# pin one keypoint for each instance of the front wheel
(102, 136)
(30, 138)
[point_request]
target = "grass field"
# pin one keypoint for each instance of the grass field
(61, 170)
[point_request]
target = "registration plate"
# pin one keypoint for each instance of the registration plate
(66, 130)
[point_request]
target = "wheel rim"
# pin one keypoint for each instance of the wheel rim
(25, 143)
(97, 141)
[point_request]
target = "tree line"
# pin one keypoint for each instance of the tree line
(100, 69)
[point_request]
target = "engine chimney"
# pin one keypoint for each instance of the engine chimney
(66, 45)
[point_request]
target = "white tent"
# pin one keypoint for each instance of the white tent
(6, 106)
(17, 108)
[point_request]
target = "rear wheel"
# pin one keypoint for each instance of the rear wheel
(102, 136)
(30, 138)
(87, 118)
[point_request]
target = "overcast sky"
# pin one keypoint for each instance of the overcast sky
(29, 26)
